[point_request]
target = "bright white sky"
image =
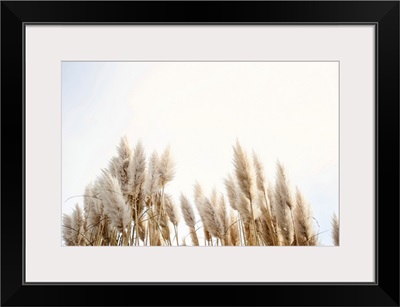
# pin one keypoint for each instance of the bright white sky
(282, 110)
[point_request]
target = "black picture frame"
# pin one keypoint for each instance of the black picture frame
(383, 14)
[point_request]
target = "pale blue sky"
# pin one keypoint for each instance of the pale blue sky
(286, 111)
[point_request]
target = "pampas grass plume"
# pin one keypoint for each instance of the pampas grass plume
(166, 169)
(152, 183)
(303, 220)
(335, 230)
(172, 210)
(187, 211)
(244, 171)
(137, 170)
(231, 189)
(114, 204)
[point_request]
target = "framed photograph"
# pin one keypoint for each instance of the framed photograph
(244, 150)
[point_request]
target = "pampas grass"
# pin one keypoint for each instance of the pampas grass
(303, 221)
(207, 211)
(233, 229)
(190, 218)
(129, 204)
(166, 169)
(152, 183)
(198, 201)
(77, 227)
(222, 213)
(68, 231)
(172, 211)
(231, 189)
(137, 171)
(283, 206)
(119, 165)
(114, 204)
(335, 230)
(244, 172)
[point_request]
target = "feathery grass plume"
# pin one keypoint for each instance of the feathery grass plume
(198, 193)
(283, 205)
(122, 165)
(218, 212)
(152, 182)
(209, 217)
(166, 167)
(92, 200)
(88, 198)
(234, 229)
(335, 229)
(165, 231)
(260, 176)
(219, 222)
(166, 174)
(90, 215)
(223, 218)
(67, 230)
(137, 170)
(190, 218)
(172, 210)
(266, 225)
(97, 220)
(113, 166)
(173, 213)
(95, 194)
(262, 185)
(246, 182)
(283, 192)
(88, 201)
(214, 198)
(249, 222)
(114, 204)
(96, 216)
(303, 221)
(231, 189)
(187, 211)
(77, 224)
(223, 211)
(160, 219)
(270, 194)
(199, 198)
(261, 230)
(124, 150)
(151, 187)
(244, 172)
(153, 226)
(248, 211)
(236, 202)
(285, 231)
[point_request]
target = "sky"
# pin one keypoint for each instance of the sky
(286, 111)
